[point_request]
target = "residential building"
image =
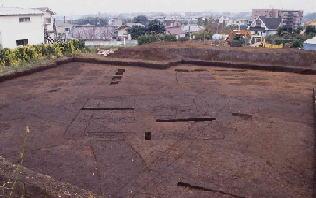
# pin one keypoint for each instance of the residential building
(192, 28)
(49, 24)
(311, 23)
(242, 22)
(265, 26)
(89, 32)
(122, 33)
(175, 31)
(310, 44)
(291, 18)
(115, 22)
(172, 23)
(63, 29)
(48, 18)
(19, 26)
(269, 13)
(225, 20)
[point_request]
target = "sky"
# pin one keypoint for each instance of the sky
(78, 7)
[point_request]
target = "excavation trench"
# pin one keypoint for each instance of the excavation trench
(193, 187)
(106, 109)
(187, 120)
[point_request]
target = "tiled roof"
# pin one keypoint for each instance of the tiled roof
(46, 9)
(13, 11)
(311, 23)
(192, 28)
(271, 23)
(256, 29)
(93, 33)
(175, 31)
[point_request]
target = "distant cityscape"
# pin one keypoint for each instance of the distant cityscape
(124, 29)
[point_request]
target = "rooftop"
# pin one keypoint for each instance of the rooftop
(271, 23)
(174, 30)
(311, 23)
(45, 9)
(134, 24)
(12, 11)
(311, 41)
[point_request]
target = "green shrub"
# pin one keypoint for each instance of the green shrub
(168, 37)
(8, 57)
(30, 53)
(203, 35)
(150, 38)
(183, 39)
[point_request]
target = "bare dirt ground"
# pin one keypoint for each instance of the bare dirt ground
(214, 132)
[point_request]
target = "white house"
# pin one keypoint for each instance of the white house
(49, 24)
(48, 18)
(63, 29)
(19, 26)
(310, 44)
(122, 33)
(115, 22)
(263, 26)
(192, 28)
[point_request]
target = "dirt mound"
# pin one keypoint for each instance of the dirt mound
(204, 51)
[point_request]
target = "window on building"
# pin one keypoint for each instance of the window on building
(67, 29)
(48, 20)
(22, 42)
(24, 19)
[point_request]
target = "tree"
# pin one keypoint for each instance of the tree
(310, 31)
(203, 35)
(201, 22)
(137, 31)
(156, 27)
(141, 19)
(297, 43)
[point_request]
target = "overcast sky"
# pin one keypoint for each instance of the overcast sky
(74, 7)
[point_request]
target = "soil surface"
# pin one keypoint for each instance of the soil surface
(162, 51)
(211, 132)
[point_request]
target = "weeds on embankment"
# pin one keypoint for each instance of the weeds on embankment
(8, 188)
(27, 56)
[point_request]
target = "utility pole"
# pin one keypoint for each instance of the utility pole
(190, 28)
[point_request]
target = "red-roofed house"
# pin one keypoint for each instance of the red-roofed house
(176, 31)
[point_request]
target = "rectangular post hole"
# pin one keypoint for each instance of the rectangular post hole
(181, 70)
(114, 83)
(116, 78)
(147, 135)
(106, 109)
(121, 70)
(187, 120)
(242, 115)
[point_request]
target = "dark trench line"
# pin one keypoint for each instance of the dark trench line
(187, 185)
(106, 109)
(187, 120)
